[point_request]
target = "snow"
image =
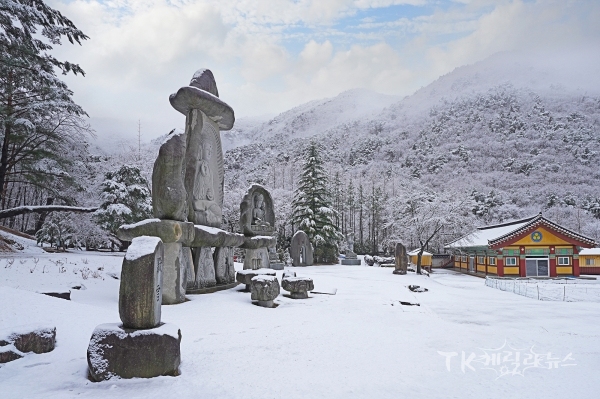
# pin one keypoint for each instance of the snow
(264, 277)
(590, 251)
(140, 223)
(141, 246)
(24, 245)
(360, 343)
(481, 236)
(208, 229)
(416, 252)
(257, 271)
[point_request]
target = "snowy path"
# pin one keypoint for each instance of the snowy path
(359, 343)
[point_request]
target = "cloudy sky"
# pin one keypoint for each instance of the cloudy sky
(270, 55)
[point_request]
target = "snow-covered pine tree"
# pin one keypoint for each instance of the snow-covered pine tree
(312, 209)
(38, 118)
(126, 199)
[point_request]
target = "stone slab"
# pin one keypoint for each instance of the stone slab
(168, 191)
(204, 268)
(351, 262)
(224, 266)
(140, 293)
(205, 236)
(115, 351)
(168, 230)
(256, 259)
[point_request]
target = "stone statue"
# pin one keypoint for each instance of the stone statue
(206, 210)
(301, 250)
(258, 213)
(351, 258)
(401, 259)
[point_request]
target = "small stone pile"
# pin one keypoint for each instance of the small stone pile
(28, 339)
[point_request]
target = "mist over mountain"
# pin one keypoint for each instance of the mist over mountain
(522, 129)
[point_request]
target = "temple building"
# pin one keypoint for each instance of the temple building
(532, 247)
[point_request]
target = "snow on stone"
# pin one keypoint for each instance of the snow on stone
(256, 271)
(208, 229)
(142, 246)
(140, 223)
(264, 277)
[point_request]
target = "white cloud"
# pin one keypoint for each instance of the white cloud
(270, 55)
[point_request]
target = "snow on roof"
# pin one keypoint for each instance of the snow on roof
(590, 251)
(481, 236)
(416, 252)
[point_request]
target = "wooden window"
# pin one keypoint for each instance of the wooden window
(492, 261)
(464, 259)
(564, 261)
(481, 260)
(510, 262)
(589, 262)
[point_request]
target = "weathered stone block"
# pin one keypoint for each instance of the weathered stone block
(206, 236)
(140, 293)
(297, 286)
(204, 268)
(115, 351)
(351, 262)
(246, 276)
(167, 230)
(264, 289)
(9, 353)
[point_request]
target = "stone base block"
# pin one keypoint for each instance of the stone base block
(351, 262)
(401, 272)
(277, 266)
(118, 352)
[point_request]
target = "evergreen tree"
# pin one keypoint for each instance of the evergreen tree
(126, 199)
(39, 121)
(312, 209)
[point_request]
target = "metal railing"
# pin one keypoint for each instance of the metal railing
(561, 289)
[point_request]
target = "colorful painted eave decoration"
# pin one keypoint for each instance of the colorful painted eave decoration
(530, 227)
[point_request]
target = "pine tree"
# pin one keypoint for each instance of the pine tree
(38, 118)
(126, 199)
(313, 212)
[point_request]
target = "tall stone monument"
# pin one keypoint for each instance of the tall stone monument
(351, 258)
(141, 346)
(188, 197)
(257, 219)
(301, 250)
(401, 259)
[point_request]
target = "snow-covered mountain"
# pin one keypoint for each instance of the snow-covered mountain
(523, 127)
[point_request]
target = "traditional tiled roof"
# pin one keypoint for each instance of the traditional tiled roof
(500, 233)
(537, 221)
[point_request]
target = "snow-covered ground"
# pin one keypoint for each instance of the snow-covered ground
(360, 343)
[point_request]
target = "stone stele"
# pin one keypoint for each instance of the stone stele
(257, 215)
(204, 268)
(301, 250)
(140, 294)
(205, 115)
(168, 191)
(115, 351)
(401, 259)
(224, 268)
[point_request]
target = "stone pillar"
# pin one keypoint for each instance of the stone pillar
(204, 268)
(224, 268)
(401, 259)
(140, 293)
(174, 274)
(190, 273)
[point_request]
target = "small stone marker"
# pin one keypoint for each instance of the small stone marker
(301, 250)
(297, 286)
(173, 275)
(264, 290)
(401, 259)
(140, 294)
(224, 267)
